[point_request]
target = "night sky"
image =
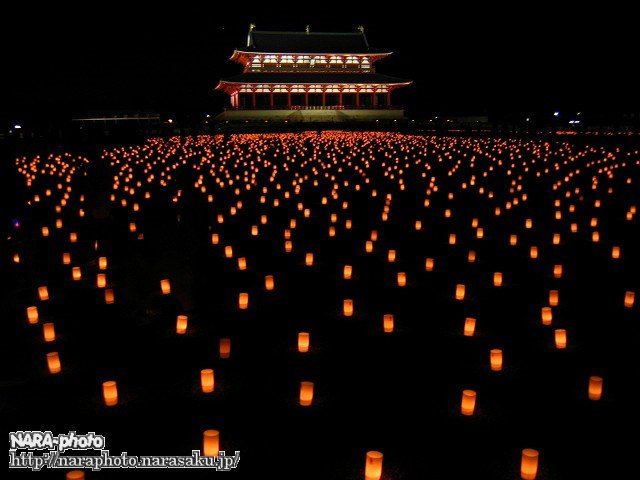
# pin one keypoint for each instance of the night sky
(111, 56)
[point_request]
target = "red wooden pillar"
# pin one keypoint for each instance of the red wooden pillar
(340, 99)
(289, 99)
(358, 99)
(324, 98)
(253, 99)
(388, 99)
(271, 98)
(306, 98)
(375, 99)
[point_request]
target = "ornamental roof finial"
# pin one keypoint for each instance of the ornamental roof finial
(361, 28)
(252, 26)
(307, 29)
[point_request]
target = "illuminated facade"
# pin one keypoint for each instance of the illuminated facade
(307, 76)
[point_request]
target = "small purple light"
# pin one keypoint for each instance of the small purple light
(16, 224)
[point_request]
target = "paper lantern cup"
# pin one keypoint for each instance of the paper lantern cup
(495, 359)
(165, 286)
(306, 393)
(110, 393)
(347, 307)
(210, 443)
(468, 403)
(225, 347)
(32, 315)
(595, 387)
(529, 464)
(48, 332)
(303, 342)
(181, 324)
(207, 380)
(269, 283)
(53, 362)
(373, 465)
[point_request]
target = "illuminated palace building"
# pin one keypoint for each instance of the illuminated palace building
(309, 76)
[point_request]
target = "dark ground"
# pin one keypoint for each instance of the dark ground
(397, 393)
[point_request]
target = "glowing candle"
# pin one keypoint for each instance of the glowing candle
(469, 326)
(554, 298)
(306, 393)
(595, 387)
(228, 251)
(181, 324)
(102, 263)
(225, 347)
(269, 282)
(110, 393)
(480, 233)
(497, 279)
(429, 264)
(528, 223)
(242, 263)
(561, 338)
(165, 286)
(495, 357)
(373, 465)
(460, 291)
(43, 293)
(595, 237)
(73, 237)
(53, 362)
(468, 403)
(332, 231)
(76, 273)
(615, 252)
(101, 280)
(368, 246)
(387, 322)
(557, 271)
(529, 464)
(32, 315)
(207, 381)
(547, 315)
(391, 256)
(215, 239)
(533, 252)
(66, 258)
(132, 227)
(303, 342)
(288, 246)
(108, 296)
(308, 259)
(211, 443)
(556, 239)
(513, 240)
(45, 231)
(243, 301)
(574, 227)
(629, 299)
(347, 307)
(347, 272)
(418, 225)
(16, 258)
(452, 239)
(472, 256)
(254, 230)
(402, 279)
(48, 332)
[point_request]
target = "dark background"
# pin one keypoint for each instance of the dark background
(526, 59)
